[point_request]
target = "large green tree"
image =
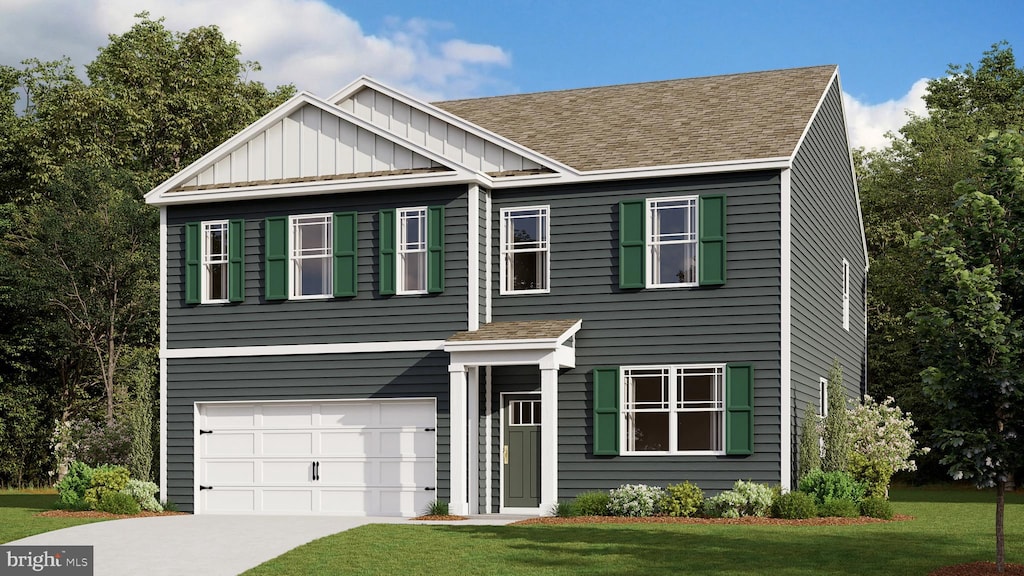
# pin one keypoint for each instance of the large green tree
(971, 324)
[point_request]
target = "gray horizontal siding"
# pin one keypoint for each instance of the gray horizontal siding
(826, 229)
(312, 377)
(738, 322)
(367, 317)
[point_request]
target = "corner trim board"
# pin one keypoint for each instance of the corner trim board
(786, 332)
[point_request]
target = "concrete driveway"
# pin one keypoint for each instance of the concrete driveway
(202, 545)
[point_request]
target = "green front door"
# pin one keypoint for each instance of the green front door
(521, 452)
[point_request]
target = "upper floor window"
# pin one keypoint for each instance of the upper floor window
(525, 250)
(822, 397)
(215, 262)
(674, 409)
(846, 295)
(311, 256)
(412, 250)
(672, 242)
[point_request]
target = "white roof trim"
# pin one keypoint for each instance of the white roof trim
(550, 344)
(645, 172)
(368, 82)
(159, 195)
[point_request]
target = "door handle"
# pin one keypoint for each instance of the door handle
(316, 470)
(504, 453)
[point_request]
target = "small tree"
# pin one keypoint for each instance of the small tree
(881, 443)
(835, 425)
(809, 457)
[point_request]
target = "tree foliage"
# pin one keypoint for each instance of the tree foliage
(836, 424)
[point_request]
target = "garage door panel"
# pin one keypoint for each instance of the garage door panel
(286, 472)
(407, 442)
(406, 414)
(404, 502)
(229, 444)
(352, 414)
(348, 473)
(229, 501)
(287, 443)
(294, 501)
(407, 473)
(357, 443)
(350, 502)
(232, 416)
(287, 415)
(228, 472)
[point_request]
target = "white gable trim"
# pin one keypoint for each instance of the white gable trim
(161, 194)
(367, 82)
(644, 172)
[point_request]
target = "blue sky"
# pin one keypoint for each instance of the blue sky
(461, 48)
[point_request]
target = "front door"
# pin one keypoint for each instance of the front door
(521, 451)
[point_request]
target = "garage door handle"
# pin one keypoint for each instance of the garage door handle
(316, 470)
(430, 488)
(201, 432)
(430, 429)
(206, 487)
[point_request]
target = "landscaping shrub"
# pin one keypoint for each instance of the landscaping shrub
(881, 443)
(876, 508)
(71, 489)
(144, 493)
(592, 504)
(169, 506)
(565, 509)
(437, 508)
(809, 452)
(106, 479)
(684, 499)
(745, 499)
(118, 503)
(832, 485)
(794, 505)
(840, 507)
(634, 500)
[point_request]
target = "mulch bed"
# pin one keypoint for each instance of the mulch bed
(747, 520)
(97, 514)
(978, 569)
(440, 518)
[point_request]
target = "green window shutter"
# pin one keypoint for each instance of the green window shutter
(346, 232)
(236, 261)
(606, 411)
(276, 238)
(632, 242)
(739, 409)
(711, 250)
(193, 262)
(387, 252)
(435, 249)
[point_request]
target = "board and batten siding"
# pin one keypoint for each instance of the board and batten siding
(737, 322)
(433, 133)
(826, 229)
(310, 142)
(367, 317)
(362, 376)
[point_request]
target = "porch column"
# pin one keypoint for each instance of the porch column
(548, 436)
(473, 443)
(459, 503)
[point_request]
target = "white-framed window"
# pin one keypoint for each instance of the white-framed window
(214, 278)
(675, 409)
(822, 397)
(672, 242)
(311, 256)
(846, 295)
(525, 250)
(412, 250)
(524, 412)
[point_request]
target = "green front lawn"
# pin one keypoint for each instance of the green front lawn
(17, 515)
(952, 526)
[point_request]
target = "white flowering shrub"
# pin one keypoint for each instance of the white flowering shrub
(745, 499)
(634, 500)
(881, 441)
(144, 493)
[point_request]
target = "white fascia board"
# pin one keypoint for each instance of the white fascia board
(853, 172)
(305, 349)
(814, 114)
(644, 172)
(547, 344)
(367, 82)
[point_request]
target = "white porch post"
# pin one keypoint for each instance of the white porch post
(548, 434)
(473, 428)
(457, 437)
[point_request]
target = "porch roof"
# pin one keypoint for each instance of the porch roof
(516, 342)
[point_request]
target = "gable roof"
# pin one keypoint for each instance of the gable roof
(736, 117)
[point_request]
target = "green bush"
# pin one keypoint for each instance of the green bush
(684, 499)
(437, 508)
(118, 503)
(592, 504)
(840, 507)
(565, 509)
(794, 505)
(105, 479)
(169, 506)
(875, 474)
(634, 500)
(876, 508)
(832, 486)
(745, 499)
(144, 493)
(71, 488)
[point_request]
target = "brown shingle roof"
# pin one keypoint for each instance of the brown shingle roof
(519, 330)
(711, 119)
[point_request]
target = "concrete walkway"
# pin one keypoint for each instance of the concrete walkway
(203, 545)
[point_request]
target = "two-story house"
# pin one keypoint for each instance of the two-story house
(370, 302)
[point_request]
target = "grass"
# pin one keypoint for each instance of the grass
(951, 526)
(17, 514)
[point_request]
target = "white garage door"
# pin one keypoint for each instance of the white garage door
(365, 458)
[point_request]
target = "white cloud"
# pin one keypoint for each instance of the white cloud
(868, 123)
(304, 42)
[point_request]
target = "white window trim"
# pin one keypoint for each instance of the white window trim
(400, 214)
(204, 280)
(648, 251)
(846, 295)
(822, 398)
(292, 277)
(624, 425)
(505, 253)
